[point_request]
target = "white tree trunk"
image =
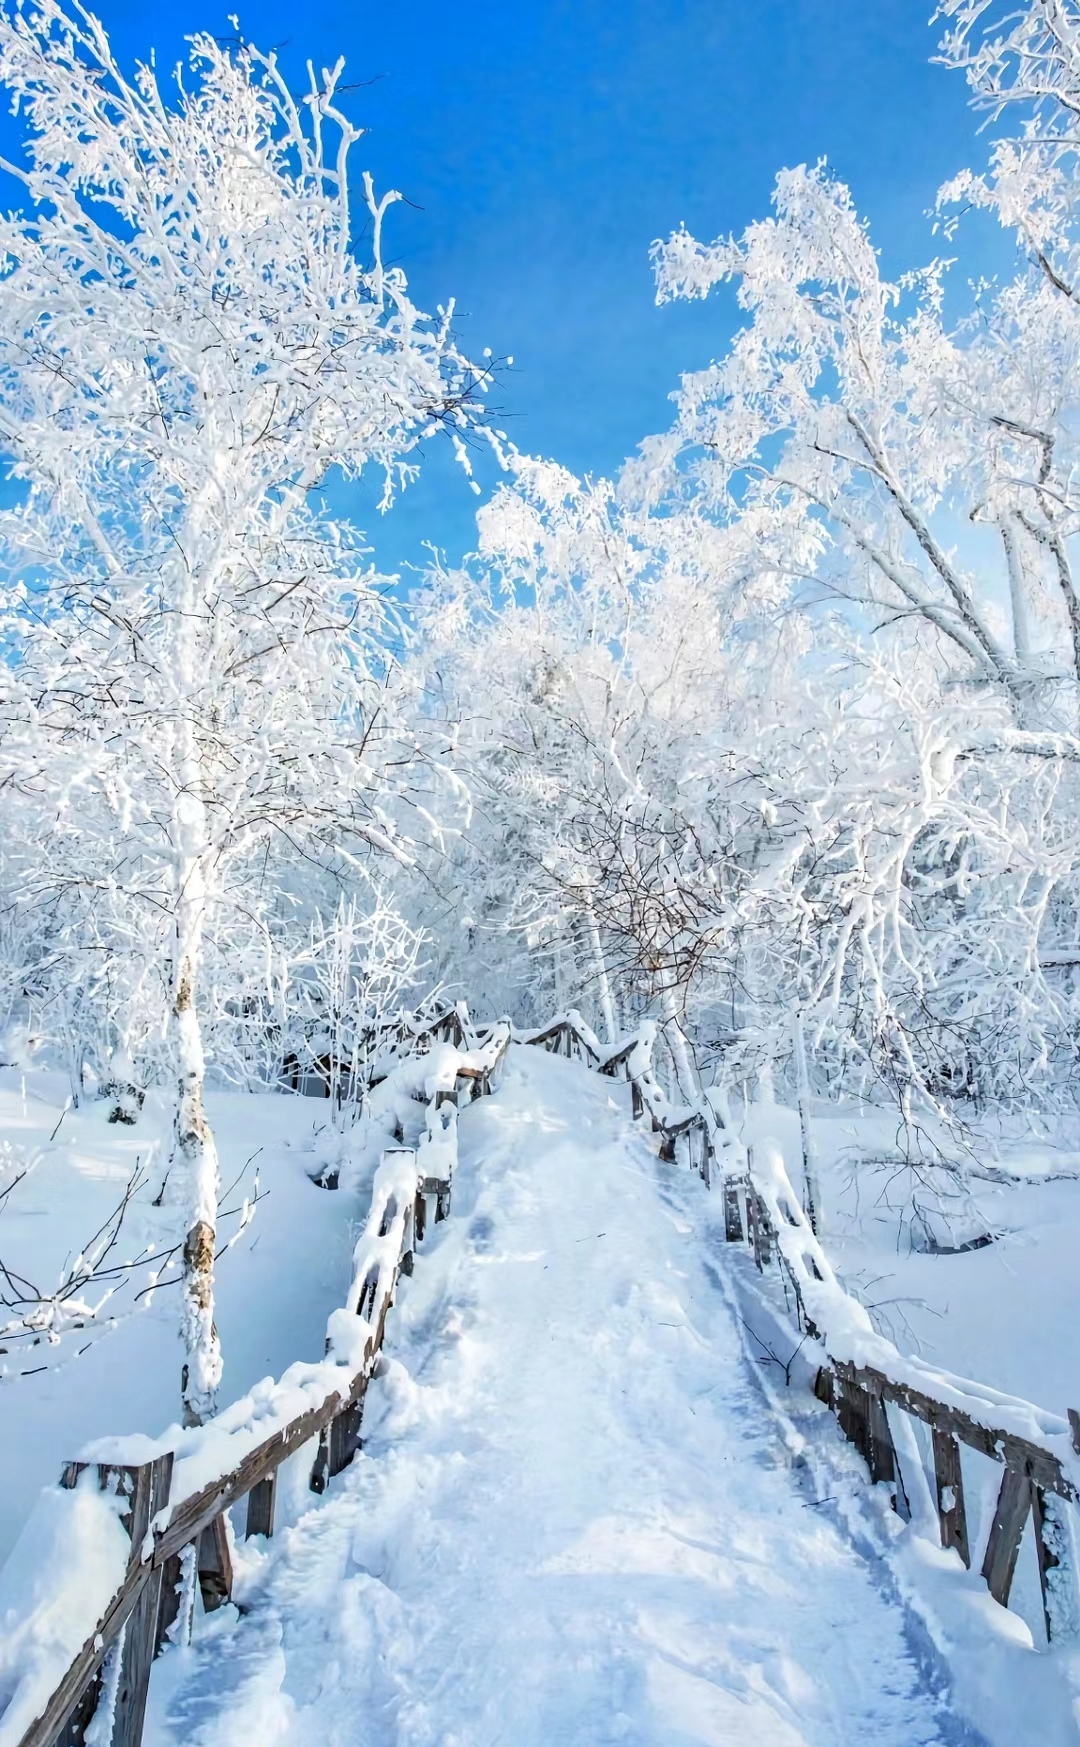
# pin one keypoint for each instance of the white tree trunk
(811, 1185)
(195, 1151)
(1017, 597)
(607, 1004)
(680, 1053)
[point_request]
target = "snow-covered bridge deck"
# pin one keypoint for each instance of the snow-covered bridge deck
(571, 1523)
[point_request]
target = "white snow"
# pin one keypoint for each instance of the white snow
(276, 1288)
(44, 1624)
(572, 1521)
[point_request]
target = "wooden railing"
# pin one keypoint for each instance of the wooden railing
(866, 1381)
(860, 1375)
(687, 1132)
(173, 1504)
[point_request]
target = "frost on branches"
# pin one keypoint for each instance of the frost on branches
(773, 739)
(188, 342)
(784, 725)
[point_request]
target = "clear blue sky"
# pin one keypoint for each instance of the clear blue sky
(547, 142)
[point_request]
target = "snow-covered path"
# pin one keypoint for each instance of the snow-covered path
(571, 1523)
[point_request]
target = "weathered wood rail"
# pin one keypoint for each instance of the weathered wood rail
(173, 1526)
(687, 1132)
(866, 1381)
(861, 1376)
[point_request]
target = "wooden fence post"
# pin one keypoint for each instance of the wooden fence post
(215, 1564)
(733, 1225)
(149, 1495)
(260, 1506)
(707, 1156)
(1057, 1569)
(1006, 1533)
(852, 1410)
(345, 1436)
(949, 1491)
(172, 1574)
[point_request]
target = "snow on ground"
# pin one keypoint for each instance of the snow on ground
(1003, 1314)
(573, 1521)
(276, 1286)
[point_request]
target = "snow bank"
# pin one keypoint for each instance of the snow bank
(60, 1578)
(849, 1335)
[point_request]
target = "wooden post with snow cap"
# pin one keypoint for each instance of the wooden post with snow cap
(145, 1490)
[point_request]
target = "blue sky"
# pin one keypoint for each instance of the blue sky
(545, 143)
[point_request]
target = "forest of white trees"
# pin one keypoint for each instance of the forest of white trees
(775, 737)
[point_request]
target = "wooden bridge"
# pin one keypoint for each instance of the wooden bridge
(174, 1503)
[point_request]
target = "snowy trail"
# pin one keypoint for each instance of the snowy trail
(571, 1524)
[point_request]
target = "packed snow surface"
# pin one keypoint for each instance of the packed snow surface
(572, 1521)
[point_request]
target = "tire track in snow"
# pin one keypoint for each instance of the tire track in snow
(569, 1525)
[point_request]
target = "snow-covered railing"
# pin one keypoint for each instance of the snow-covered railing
(862, 1375)
(96, 1581)
(689, 1130)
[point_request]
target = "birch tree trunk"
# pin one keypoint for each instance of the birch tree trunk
(195, 1151)
(680, 1054)
(811, 1186)
(607, 1004)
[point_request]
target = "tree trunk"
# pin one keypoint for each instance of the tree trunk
(607, 1005)
(194, 1148)
(680, 1054)
(1017, 596)
(811, 1186)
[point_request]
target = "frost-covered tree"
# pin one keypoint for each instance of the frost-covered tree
(189, 341)
(851, 421)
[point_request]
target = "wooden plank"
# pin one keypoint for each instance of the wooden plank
(321, 1465)
(733, 1225)
(73, 1733)
(192, 1514)
(420, 1217)
(1047, 1548)
(1006, 1533)
(852, 1412)
(261, 1501)
(172, 1577)
(344, 1437)
(757, 1220)
(140, 1647)
(881, 1457)
(753, 1236)
(949, 1492)
(134, 1609)
(1028, 1459)
(215, 1564)
(48, 1728)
